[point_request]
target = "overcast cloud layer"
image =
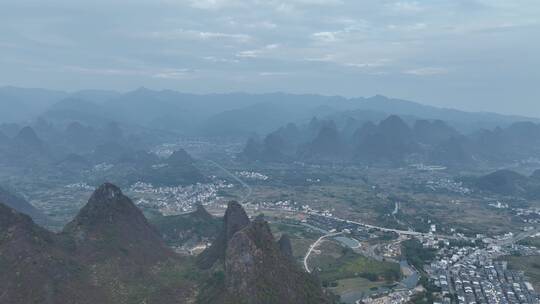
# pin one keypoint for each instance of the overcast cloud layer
(468, 54)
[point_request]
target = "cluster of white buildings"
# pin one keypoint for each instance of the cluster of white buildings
(398, 297)
(103, 167)
(176, 200)
(80, 186)
(252, 175)
(447, 185)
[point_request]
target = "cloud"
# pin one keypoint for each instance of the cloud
(248, 54)
(367, 65)
(323, 58)
(212, 4)
(265, 74)
(167, 73)
(104, 71)
(220, 59)
(195, 35)
(262, 25)
(406, 7)
(462, 39)
(427, 71)
(408, 27)
(257, 52)
(176, 74)
(326, 36)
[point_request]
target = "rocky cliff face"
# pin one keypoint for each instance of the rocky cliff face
(256, 268)
(37, 265)
(234, 220)
(258, 272)
(285, 246)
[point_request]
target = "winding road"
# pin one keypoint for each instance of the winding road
(314, 245)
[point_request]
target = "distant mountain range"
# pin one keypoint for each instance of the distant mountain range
(78, 148)
(230, 115)
(394, 141)
(110, 253)
(83, 129)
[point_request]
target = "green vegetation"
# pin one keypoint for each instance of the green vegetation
(335, 265)
(356, 284)
(178, 229)
(301, 238)
(214, 288)
(416, 254)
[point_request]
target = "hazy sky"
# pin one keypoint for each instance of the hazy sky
(468, 54)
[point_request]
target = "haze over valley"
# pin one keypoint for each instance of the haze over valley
(269, 152)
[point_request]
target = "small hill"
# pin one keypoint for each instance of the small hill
(14, 201)
(178, 169)
(193, 227)
(504, 182)
(26, 149)
(27, 138)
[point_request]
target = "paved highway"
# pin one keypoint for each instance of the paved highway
(403, 232)
(248, 187)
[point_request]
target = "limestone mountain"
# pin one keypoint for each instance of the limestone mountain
(14, 201)
(108, 254)
(433, 132)
(327, 145)
(503, 182)
(256, 268)
(38, 267)
(507, 182)
(110, 224)
(28, 138)
(285, 246)
(234, 220)
(178, 169)
(257, 272)
(392, 141)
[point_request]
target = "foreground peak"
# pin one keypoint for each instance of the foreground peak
(107, 191)
(107, 204)
(235, 219)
